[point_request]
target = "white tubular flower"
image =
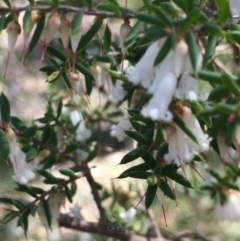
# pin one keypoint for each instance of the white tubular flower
(76, 211)
(23, 170)
(144, 69)
(82, 132)
(157, 108)
(118, 130)
(235, 7)
(230, 210)
(129, 215)
(56, 201)
(227, 153)
(203, 139)
(188, 85)
(124, 31)
(187, 88)
(117, 92)
(178, 151)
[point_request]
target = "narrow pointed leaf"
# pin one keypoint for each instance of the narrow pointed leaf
(150, 195)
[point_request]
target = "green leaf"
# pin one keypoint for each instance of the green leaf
(26, 189)
(218, 125)
(210, 76)
(150, 195)
(47, 132)
(181, 4)
(56, 53)
(2, 22)
(19, 205)
(136, 174)
(93, 151)
(163, 17)
(68, 172)
(107, 40)
(179, 179)
(225, 108)
(146, 18)
(5, 108)
(37, 33)
(8, 3)
(50, 179)
(191, 18)
(49, 161)
(32, 153)
(185, 128)
(230, 132)
(139, 167)
(213, 29)
(85, 71)
(138, 137)
(67, 80)
(194, 52)
(166, 189)
(47, 212)
(210, 49)
(148, 158)
(233, 36)
(88, 3)
(71, 148)
(55, 3)
(17, 123)
(53, 77)
(27, 21)
(223, 10)
(115, 9)
(231, 84)
(167, 46)
(73, 188)
(77, 23)
(130, 156)
(30, 132)
(5, 149)
(90, 34)
(68, 193)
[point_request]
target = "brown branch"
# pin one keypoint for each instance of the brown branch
(67, 8)
(87, 173)
(100, 228)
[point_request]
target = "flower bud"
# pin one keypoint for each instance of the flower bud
(97, 74)
(124, 31)
(152, 180)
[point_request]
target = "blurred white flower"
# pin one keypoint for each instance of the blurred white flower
(76, 211)
(13, 230)
(157, 108)
(23, 170)
(56, 201)
(129, 215)
(118, 130)
(230, 210)
(227, 153)
(144, 69)
(235, 7)
(82, 132)
(117, 92)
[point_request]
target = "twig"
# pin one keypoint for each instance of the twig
(194, 235)
(67, 8)
(100, 228)
(87, 172)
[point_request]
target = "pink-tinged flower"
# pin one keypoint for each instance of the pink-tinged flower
(230, 210)
(53, 24)
(78, 83)
(227, 153)
(144, 69)
(64, 31)
(235, 7)
(13, 31)
(82, 133)
(118, 130)
(117, 92)
(157, 108)
(23, 170)
(96, 71)
(178, 151)
(161, 199)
